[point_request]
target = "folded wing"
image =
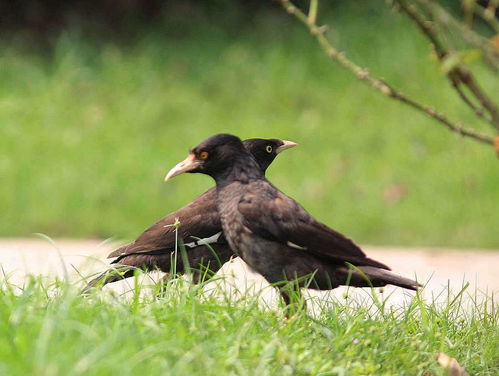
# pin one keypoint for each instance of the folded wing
(272, 215)
(198, 219)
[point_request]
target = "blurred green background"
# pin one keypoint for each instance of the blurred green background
(91, 119)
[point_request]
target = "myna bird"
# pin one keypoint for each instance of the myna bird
(198, 226)
(274, 234)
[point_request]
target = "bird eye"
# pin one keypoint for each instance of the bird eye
(203, 155)
(269, 149)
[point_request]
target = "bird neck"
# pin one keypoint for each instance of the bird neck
(243, 170)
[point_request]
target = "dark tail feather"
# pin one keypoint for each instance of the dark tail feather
(109, 276)
(379, 278)
(388, 278)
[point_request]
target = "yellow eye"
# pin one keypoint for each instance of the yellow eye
(203, 155)
(269, 149)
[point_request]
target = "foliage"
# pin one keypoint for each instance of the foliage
(88, 133)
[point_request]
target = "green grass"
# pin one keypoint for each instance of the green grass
(47, 329)
(89, 129)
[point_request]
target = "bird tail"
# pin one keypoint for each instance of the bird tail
(379, 277)
(109, 276)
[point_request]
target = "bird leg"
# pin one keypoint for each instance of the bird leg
(293, 299)
(161, 288)
(199, 276)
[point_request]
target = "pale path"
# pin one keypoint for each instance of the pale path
(436, 267)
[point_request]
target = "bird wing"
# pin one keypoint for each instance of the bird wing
(271, 214)
(198, 219)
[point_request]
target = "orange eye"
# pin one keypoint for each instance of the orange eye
(203, 155)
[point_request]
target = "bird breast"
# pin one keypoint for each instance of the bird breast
(231, 219)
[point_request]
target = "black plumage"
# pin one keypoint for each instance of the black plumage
(199, 224)
(275, 235)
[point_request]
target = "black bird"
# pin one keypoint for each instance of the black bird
(272, 233)
(199, 224)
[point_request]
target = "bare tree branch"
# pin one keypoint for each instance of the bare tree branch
(458, 74)
(488, 14)
(378, 84)
(470, 36)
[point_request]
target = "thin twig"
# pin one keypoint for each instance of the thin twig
(378, 84)
(477, 110)
(458, 74)
(312, 12)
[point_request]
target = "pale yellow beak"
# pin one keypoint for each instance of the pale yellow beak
(286, 145)
(188, 164)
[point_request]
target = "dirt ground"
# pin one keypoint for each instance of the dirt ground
(437, 268)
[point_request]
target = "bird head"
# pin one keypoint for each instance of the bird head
(265, 150)
(211, 156)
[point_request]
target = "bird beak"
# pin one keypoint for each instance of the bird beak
(285, 145)
(188, 164)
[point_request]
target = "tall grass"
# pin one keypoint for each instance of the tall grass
(48, 329)
(88, 132)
